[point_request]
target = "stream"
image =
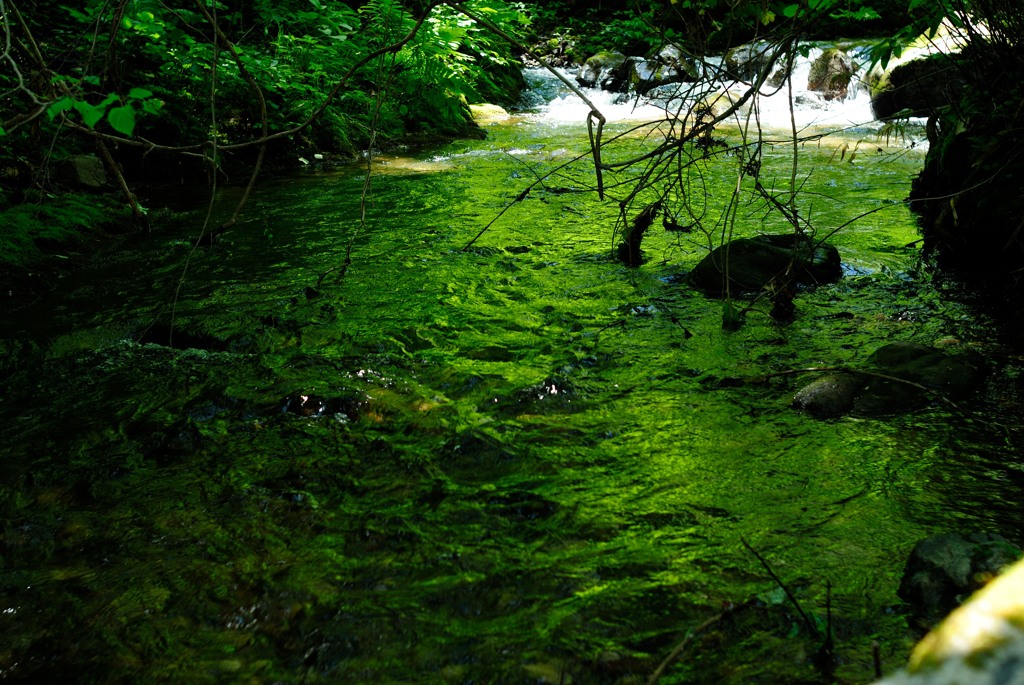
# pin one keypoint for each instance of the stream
(520, 462)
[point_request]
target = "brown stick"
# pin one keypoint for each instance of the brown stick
(681, 647)
(139, 218)
(771, 573)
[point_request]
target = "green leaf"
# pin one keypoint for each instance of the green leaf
(152, 106)
(59, 106)
(92, 80)
(90, 114)
(140, 93)
(122, 119)
(790, 11)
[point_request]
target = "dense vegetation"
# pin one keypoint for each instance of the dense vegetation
(167, 91)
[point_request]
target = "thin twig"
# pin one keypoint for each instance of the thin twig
(690, 636)
(807, 621)
(265, 127)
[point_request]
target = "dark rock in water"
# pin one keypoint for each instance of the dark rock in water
(831, 395)
(180, 338)
(554, 394)
(918, 88)
(897, 379)
(755, 262)
(521, 506)
(954, 374)
(943, 570)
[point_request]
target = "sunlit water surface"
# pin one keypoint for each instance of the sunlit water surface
(523, 462)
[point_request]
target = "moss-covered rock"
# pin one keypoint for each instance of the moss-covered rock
(830, 74)
(749, 264)
(898, 377)
(598, 67)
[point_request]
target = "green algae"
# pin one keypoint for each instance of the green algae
(534, 464)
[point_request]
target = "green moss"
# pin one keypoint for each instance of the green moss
(51, 224)
(529, 463)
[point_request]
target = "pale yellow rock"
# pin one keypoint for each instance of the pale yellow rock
(488, 113)
(980, 642)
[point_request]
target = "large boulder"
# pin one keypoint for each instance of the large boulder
(82, 171)
(625, 77)
(746, 62)
(753, 263)
(917, 88)
(667, 67)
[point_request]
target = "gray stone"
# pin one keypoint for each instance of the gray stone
(83, 171)
(831, 395)
(897, 378)
(597, 68)
(830, 74)
(745, 62)
(953, 373)
(944, 570)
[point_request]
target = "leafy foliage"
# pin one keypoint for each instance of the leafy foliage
(211, 81)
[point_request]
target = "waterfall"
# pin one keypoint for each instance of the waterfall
(551, 102)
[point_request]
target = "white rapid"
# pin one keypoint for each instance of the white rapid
(553, 103)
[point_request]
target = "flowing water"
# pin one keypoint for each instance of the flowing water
(519, 462)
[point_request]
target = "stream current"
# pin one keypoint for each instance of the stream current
(518, 462)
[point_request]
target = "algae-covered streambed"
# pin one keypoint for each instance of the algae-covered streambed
(522, 462)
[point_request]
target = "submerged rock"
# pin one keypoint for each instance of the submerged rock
(313, 406)
(554, 394)
(898, 379)
(831, 395)
(752, 263)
